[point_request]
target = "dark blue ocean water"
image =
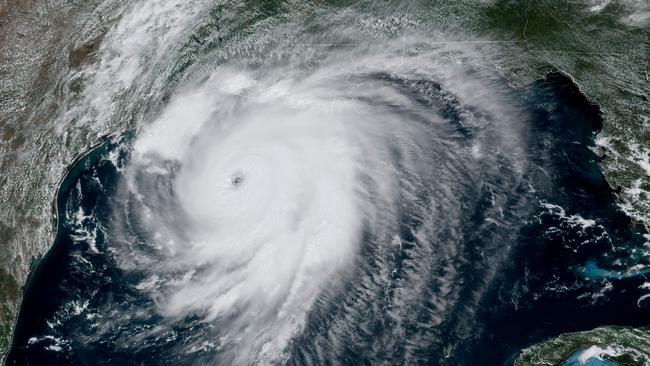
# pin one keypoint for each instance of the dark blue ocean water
(562, 274)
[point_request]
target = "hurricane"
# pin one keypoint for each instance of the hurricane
(328, 192)
(259, 192)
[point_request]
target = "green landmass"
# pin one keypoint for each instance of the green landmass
(632, 347)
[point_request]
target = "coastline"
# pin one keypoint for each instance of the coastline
(69, 175)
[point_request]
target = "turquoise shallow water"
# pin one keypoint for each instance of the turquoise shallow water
(574, 360)
(593, 271)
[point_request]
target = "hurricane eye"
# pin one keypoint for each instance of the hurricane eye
(236, 180)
